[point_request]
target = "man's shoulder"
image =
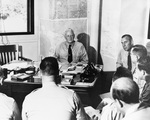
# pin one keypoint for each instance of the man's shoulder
(64, 42)
(5, 97)
(61, 44)
(123, 52)
(142, 114)
(66, 90)
(68, 93)
(35, 90)
(78, 43)
(33, 93)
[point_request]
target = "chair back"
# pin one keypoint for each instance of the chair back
(8, 53)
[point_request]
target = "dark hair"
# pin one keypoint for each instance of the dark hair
(49, 66)
(128, 37)
(143, 105)
(1, 72)
(126, 90)
(140, 49)
(144, 64)
(122, 72)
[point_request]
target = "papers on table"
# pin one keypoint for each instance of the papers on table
(83, 83)
(15, 65)
(92, 112)
(73, 71)
(105, 95)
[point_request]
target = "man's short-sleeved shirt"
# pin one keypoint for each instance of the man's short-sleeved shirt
(7, 105)
(53, 103)
(138, 114)
(78, 52)
(123, 58)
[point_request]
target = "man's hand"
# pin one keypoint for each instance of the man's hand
(92, 113)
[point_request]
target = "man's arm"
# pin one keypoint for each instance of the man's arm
(24, 109)
(56, 52)
(84, 57)
(16, 112)
(80, 112)
(94, 114)
(110, 112)
(119, 60)
(145, 96)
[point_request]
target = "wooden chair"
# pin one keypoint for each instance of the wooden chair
(9, 53)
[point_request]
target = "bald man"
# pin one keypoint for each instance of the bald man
(125, 93)
(107, 107)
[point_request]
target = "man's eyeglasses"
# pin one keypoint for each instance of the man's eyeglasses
(69, 35)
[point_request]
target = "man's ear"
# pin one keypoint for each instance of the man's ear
(119, 102)
(144, 72)
(1, 81)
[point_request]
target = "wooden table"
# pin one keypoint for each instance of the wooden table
(19, 89)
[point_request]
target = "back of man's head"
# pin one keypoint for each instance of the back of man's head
(126, 90)
(144, 64)
(49, 66)
(140, 50)
(122, 72)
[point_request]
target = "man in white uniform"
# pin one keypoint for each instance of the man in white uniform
(8, 107)
(52, 102)
(78, 51)
(125, 93)
(124, 59)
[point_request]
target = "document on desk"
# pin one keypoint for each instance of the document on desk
(69, 73)
(84, 84)
(14, 65)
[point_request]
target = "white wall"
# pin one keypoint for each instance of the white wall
(122, 17)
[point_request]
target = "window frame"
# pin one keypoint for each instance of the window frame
(30, 21)
(148, 34)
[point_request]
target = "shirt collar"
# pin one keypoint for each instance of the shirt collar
(132, 109)
(48, 85)
(67, 44)
(147, 78)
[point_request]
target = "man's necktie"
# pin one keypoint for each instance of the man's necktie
(129, 61)
(69, 54)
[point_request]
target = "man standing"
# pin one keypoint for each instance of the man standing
(124, 58)
(125, 93)
(71, 51)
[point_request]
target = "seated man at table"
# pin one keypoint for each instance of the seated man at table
(8, 107)
(125, 93)
(71, 51)
(138, 53)
(124, 57)
(52, 102)
(107, 107)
